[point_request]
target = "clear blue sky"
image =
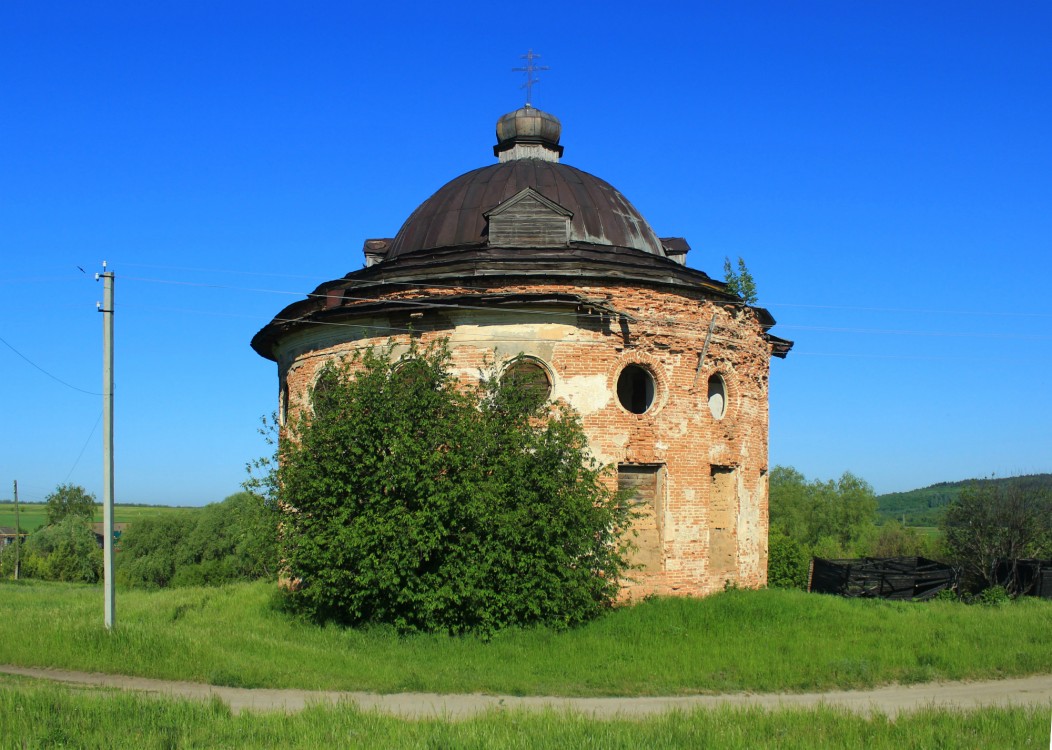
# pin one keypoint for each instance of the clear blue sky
(884, 168)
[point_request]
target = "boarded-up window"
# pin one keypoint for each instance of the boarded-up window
(643, 485)
(723, 522)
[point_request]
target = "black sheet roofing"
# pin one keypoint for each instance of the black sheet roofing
(453, 216)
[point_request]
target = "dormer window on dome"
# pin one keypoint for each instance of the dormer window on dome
(528, 219)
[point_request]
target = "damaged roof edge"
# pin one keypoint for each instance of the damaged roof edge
(462, 268)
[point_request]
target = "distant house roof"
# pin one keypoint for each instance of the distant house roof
(99, 528)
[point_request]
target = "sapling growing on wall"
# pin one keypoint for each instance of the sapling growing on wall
(740, 281)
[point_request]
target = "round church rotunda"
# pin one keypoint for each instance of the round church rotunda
(540, 269)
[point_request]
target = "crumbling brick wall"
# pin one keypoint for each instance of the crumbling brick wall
(707, 527)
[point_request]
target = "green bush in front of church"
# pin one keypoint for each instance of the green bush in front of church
(413, 500)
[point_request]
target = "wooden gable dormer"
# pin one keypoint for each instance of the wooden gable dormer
(528, 219)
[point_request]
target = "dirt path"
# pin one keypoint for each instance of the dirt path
(889, 700)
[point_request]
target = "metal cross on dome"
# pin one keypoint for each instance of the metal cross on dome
(529, 70)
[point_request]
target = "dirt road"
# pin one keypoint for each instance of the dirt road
(888, 700)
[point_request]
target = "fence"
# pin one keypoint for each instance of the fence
(911, 578)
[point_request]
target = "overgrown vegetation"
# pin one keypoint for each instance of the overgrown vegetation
(66, 551)
(766, 641)
(832, 519)
(69, 500)
(413, 500)
(235, 540)
(740, 281)
(63, 550)
(35, 715)
(988, 523)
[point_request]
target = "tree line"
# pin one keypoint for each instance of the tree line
(223, 542)
(984, 523)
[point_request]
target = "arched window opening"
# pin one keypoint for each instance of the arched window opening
(635, 389)
(323, 396)
(717, 397)
(530, 378)
(283, 402)
(412, 373)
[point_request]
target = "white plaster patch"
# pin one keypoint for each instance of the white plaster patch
(484, 328)
(587, 394)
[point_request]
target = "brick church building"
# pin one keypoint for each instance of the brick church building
(532, 265)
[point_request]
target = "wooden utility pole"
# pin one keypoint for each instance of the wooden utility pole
(18, 535)
(106, 308)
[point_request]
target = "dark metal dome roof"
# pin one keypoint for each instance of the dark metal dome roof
(454, 215)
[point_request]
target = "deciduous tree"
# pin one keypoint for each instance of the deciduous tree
(815, 518)
(69, 500)
(995, 521)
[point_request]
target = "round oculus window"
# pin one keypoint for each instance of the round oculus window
(636, 388)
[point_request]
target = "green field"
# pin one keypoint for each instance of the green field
(762, 641)
(32, 516)
(38, 715)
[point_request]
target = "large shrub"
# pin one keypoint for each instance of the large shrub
(65, 551)
(235, 540)
(151, 550)
(410, 500)
(788, 562)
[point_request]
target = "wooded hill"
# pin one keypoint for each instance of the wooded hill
(926, 506)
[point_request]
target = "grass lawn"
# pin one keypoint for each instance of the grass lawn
(39, 715)
(766, 641)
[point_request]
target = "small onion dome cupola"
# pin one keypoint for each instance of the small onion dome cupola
(528, 133)
(594, 212)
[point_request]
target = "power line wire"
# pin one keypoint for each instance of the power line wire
(553, 313)
(53, 377)
(421, 285)
(894, 332)
(83, 448)
(912, 311)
